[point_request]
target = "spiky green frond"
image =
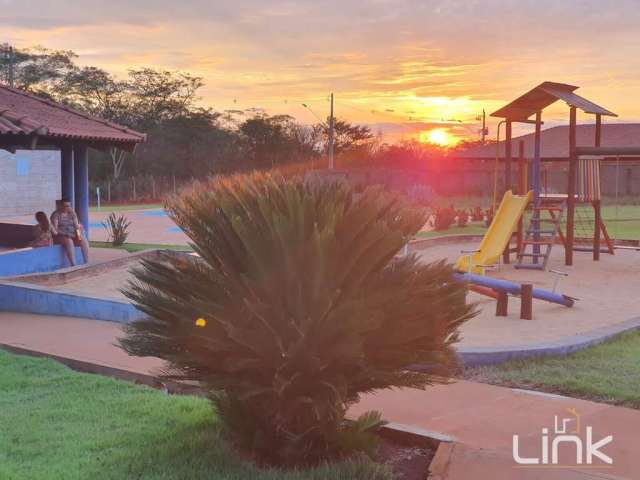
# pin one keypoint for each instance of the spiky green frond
(305, 303)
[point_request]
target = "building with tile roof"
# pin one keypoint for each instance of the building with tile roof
(46, 157)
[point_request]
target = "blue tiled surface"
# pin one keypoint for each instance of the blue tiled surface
(33, 299)
(154, 213)
(35, 260)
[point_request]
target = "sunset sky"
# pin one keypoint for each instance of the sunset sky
(400, 66)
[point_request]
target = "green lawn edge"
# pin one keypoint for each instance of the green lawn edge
(609, 372)
(137, 247)
(58, 424)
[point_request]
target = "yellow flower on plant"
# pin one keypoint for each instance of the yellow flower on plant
(201, 322)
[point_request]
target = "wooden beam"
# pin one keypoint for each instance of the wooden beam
(522, 189)
(507, 157)
(597, 215)
(608, 151)
(571, 187)
(526, 301)
(502, 305)
(597, 211)
(535, 173)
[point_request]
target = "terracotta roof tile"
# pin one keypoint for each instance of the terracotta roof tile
(22, 113)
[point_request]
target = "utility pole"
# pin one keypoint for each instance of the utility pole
(483, 131)
(331, 163)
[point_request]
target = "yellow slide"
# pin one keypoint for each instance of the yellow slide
(505, 221)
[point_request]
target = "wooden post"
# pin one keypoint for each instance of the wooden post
(522, 188)
(109, 191)
(133, 183)
(571, 187)
(597, 212)
(502, 304)
(536, 186)
(153, 187)
(506, 259)
(507, 157)
(526, 301)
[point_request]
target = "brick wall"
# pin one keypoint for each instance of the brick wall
(29, 181)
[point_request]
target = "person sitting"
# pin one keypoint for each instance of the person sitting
(69, 231)
(43, 231)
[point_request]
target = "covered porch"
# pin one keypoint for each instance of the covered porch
(31, 123)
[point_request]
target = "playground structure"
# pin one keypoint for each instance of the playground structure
(582, 189)
(583, 179)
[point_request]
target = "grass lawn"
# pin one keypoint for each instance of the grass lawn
(57, 424)
(125, 207)
(137, 247)
(609, 373)
(625, 224)
(470, 229)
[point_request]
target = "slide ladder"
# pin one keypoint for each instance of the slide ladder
(541, 233)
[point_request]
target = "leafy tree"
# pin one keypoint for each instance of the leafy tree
(295, 306)
(157, 95)
(270, 140)
(202, 146)
(97, 92)
(35, 69)
(348, 138)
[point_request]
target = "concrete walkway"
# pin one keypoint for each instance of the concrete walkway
(481, 419)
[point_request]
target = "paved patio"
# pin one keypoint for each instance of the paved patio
(606, 292)
(481, 418)
(147, 226)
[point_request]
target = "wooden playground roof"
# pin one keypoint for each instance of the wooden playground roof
(26, 119)
(542, 96)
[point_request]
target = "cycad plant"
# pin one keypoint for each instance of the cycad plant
(296, 305)
(117, 227)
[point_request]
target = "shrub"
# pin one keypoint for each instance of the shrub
(462, 218)
(477, 214)
(117, 227)
(444, 218)
(296, 305)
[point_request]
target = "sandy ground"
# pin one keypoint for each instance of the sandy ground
(607, 291)
(147, 226)
(103, 285)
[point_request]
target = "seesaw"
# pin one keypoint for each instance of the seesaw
(513, 288)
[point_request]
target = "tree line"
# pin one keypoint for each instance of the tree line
(185, 139)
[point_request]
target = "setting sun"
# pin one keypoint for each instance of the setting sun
(438, 136)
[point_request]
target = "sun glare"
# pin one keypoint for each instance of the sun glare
(437, 136)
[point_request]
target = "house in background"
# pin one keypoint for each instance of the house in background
(554, 152)
(44, 155)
